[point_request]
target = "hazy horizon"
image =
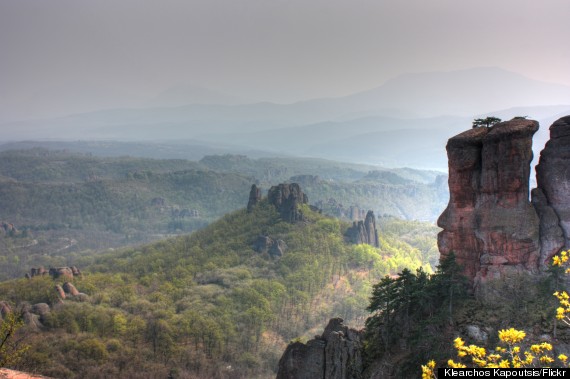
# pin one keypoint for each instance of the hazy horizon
(62, 56)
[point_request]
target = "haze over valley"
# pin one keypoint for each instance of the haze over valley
(196, 189)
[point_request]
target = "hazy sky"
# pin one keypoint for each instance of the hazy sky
(278, 50)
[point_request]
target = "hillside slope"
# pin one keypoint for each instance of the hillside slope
(208, 305)
(65, 205)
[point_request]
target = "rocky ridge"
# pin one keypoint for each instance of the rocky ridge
(364, 231)
(490, 224)
(286, 198)
(336, 354)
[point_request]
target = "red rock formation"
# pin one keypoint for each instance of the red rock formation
(489, 222)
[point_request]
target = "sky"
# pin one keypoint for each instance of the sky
(59, 56)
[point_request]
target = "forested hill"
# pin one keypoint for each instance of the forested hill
(208, 305)
(64, 205)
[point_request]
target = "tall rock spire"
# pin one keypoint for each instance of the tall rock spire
(489, 222)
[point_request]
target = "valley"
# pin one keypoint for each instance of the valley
(210, 304)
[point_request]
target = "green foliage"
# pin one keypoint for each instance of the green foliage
(68, 205)
(11, 347)
(411, 308)
(200, 303)
(486, 122)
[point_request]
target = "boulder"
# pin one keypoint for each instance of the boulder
(477, 333)
(5, 309)
(60, 292)
(42, 310)
(38, 271)
(57, 272)
(262, 244)
(266, 244)
(278, 248)
(70, 289)
(75, 271)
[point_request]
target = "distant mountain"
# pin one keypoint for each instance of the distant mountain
(387, 141)
(367, 127)
(187, 94)
(460, 93)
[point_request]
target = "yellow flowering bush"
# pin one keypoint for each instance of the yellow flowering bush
(563, 310)
(510, 355)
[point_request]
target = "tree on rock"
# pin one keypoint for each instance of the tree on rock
(487, 122)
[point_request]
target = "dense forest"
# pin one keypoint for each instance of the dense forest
(65, 205)
(207, 305)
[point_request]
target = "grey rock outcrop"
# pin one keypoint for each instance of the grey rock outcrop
(266, 244)
(364, 231)
(336, 354)
(551, 234)
(286, 198)
(254, 197)
(278, 248)
(553, 180)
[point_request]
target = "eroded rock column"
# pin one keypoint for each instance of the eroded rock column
(490, 223)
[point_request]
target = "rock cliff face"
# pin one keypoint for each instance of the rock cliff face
(286, 198)
(553, 181)
(364, 231)
(336, 354)
(489, 223)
